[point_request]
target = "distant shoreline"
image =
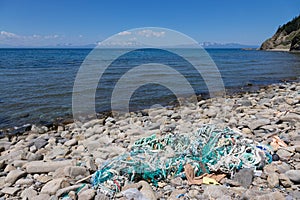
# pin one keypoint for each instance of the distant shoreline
(285, 50)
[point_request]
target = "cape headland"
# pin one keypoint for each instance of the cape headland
(286, 38)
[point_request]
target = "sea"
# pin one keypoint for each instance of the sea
(36, 85)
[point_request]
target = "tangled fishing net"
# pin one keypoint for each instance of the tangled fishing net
(155, 159)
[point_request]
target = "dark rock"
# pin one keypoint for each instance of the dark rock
(293, 175)
(20, 130)
(46, 123)
(275, 157)
(295, 46)
(40, 143)
(244, 177)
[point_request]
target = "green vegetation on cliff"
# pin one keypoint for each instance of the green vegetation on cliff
(287, 37)
(290, 26)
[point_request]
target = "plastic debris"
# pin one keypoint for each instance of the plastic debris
(210, 181)
(258, 173)
(154, 158)
(277, 142)
(189, 173)
(180, 195)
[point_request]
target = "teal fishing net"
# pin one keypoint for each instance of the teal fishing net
(160, 158)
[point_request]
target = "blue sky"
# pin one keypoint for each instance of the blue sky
(41, 22)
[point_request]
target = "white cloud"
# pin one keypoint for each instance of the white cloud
(8, 35)
(151, 33)
(9, 38)
(51, 36)
(127, 43)
(125, 33)
(36, 36)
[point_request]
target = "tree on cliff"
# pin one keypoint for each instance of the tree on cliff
(286, 37)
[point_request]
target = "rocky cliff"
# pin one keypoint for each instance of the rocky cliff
(287, 37)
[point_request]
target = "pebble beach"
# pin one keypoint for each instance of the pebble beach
(58, 163)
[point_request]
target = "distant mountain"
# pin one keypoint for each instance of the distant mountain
(87, 46)
(214, 45)
(59, 46)
(206, 45)
(287, 37)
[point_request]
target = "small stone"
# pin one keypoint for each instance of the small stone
(86, 195)
(74, 171)
(176, 181)
(297, 149)
(26, 181)
(258, 123)
(282, 167)
(36, 129)
(244, 102)
(193, 193)
(90, 164)
(14, 175)
(57, 151)
(161, 184)
(284, 155)
(275, 157)
(285, 181)
(212, 112)
(60, 128)
(230, 182)
(19, 163)
(45, 167)
(246, 131)
(100, 196)
(176, 116)
(71, 142)
(34, 156)
(110, 119)
(9, 168)
(52, 186)
(295, 194)
(41, 197)
(293, 175)
(28, 193)
(72, 195)
(32, 148)
(297, 166)
(154, 126)
(10, 190)
(214, 192)
(273, 195)
(244, 177)
(65, 190)
(91, 145)
(40, 143)
(43, 178)
(273, 180)
(2, 182)
(147, 191)
(175, 193)
(291, 117)
(133, 193)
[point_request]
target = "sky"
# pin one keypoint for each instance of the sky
(81, 22)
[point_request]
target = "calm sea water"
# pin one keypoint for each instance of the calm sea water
(36, 84)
